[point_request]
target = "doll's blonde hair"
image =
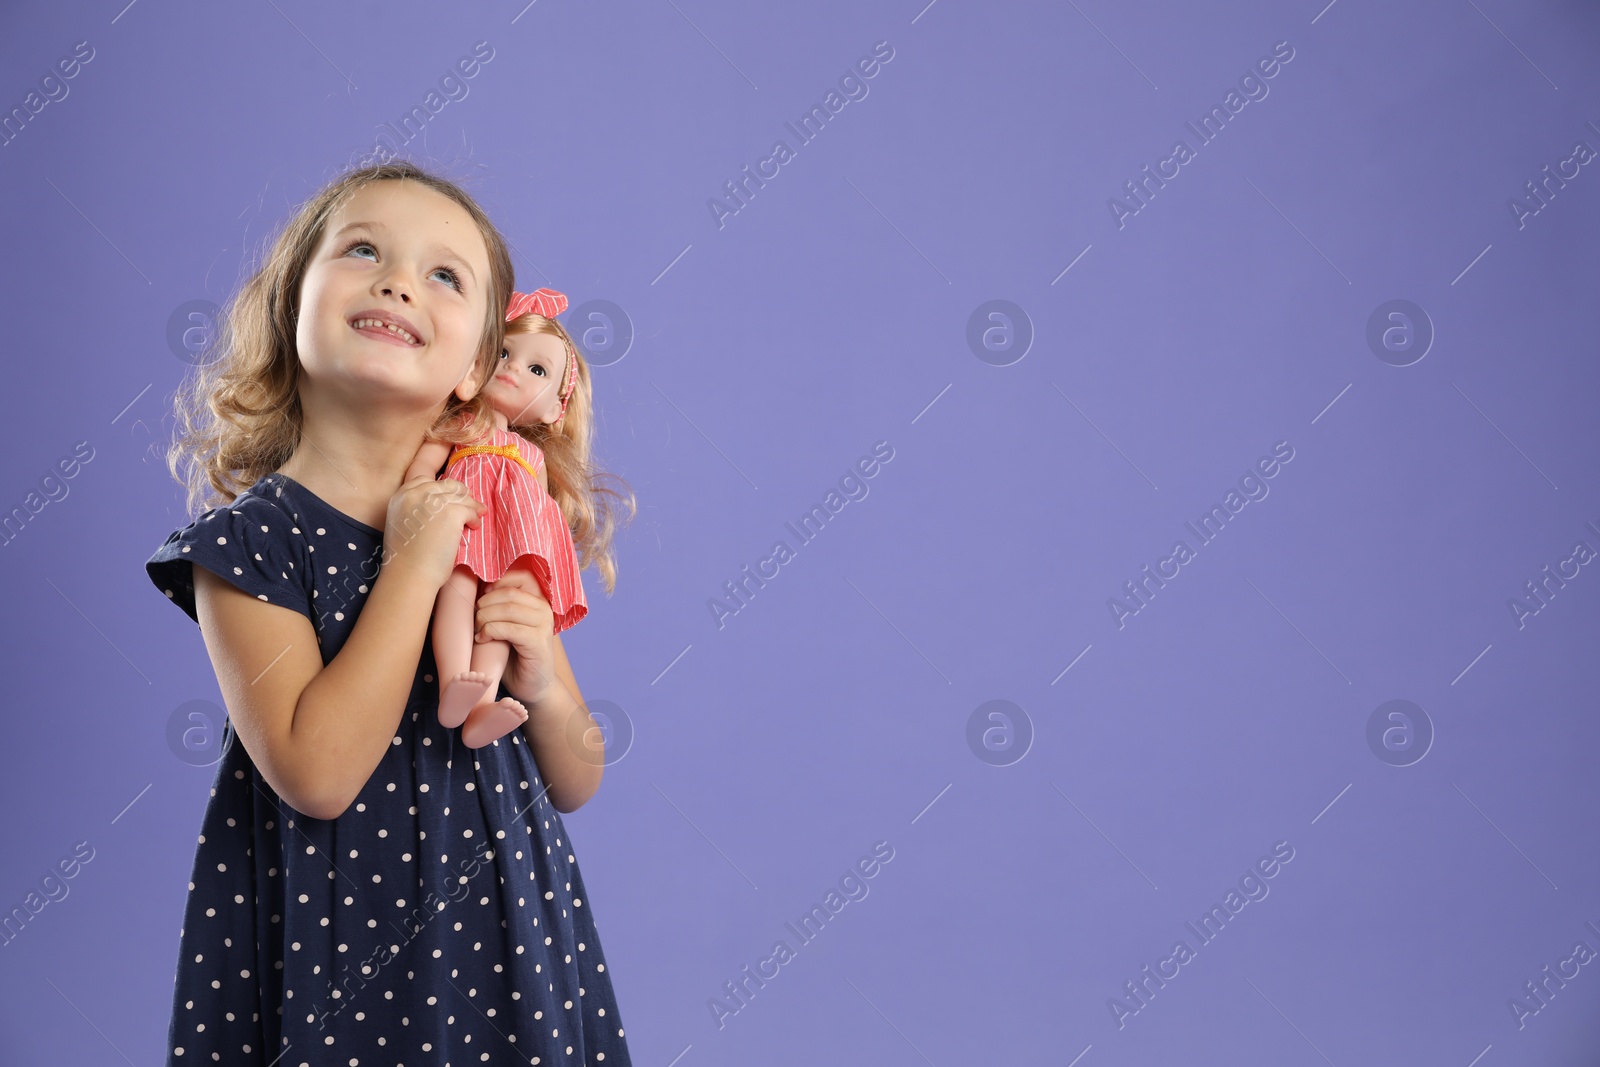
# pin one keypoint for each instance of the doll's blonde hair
(589, 505)
(238, 416)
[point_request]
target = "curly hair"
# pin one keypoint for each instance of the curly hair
(238, 417)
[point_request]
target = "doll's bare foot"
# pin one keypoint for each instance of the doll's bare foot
(460, 696)
(489, 721)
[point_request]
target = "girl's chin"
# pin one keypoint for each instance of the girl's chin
(371, 383)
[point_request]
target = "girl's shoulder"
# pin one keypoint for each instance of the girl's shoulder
(254, 542)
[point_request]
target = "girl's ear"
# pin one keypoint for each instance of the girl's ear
(467, 388)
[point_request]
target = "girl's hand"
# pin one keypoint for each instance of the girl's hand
(422, 530)
(514, 609)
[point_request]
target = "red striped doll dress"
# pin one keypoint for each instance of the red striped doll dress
(522, 520)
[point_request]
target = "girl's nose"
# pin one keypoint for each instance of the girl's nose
(400, 279)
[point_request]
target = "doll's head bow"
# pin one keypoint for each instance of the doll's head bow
(546, 302)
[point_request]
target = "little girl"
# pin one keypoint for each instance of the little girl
(524, 528)
(366, 889)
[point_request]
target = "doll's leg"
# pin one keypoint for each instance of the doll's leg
(454, 615)
(490, 718)
(490, 721)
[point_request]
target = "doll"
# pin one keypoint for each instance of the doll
(523, 528)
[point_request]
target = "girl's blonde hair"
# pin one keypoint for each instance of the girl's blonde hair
(578, 486)
(238, 417)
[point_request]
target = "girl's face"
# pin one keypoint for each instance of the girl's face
(526, 386)
(393, 301)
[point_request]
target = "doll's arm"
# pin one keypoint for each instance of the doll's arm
(430, 457)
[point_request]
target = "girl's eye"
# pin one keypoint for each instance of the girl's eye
(505, 354)
(455, 279)
(538, 369)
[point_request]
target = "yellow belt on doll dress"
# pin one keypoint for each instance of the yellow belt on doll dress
(508, 451)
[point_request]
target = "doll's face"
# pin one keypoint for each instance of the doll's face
(396, 250)
(526, 386)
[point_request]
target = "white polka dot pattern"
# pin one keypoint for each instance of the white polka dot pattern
(436, 920)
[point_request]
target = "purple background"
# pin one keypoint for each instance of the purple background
(770, 354)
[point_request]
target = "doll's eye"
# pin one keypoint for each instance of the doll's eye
(538, 368)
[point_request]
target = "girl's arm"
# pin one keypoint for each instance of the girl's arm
(315, 732)
(567, 743)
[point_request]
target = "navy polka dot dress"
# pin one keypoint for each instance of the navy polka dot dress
(441, 920)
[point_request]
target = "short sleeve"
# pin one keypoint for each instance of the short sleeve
(251, 543)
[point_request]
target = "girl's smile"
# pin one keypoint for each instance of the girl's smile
(386, 326)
